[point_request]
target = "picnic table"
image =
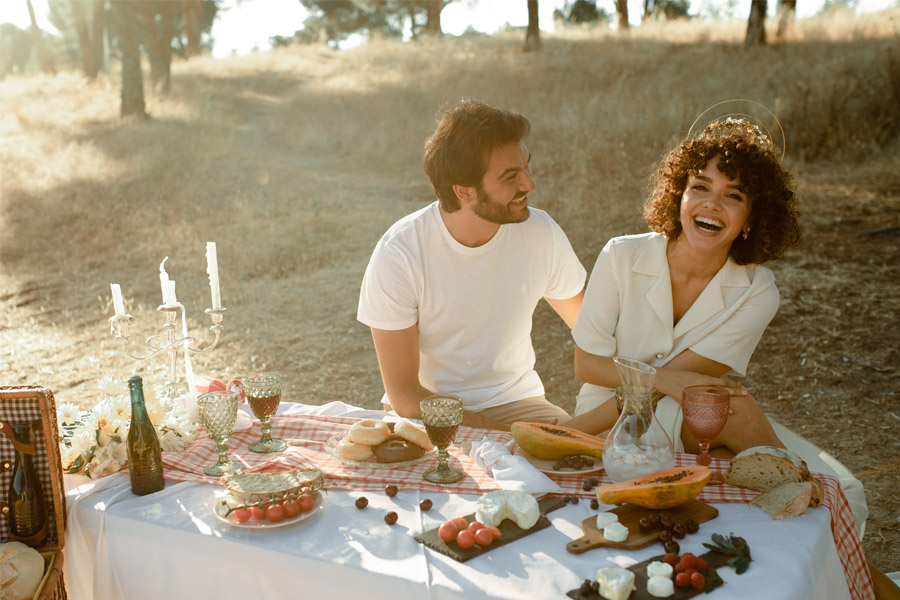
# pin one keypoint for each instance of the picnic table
(171, 544)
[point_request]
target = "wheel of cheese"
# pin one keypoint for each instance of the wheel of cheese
(351, 451)
(369, 432)
(519, 507)
(410, 432)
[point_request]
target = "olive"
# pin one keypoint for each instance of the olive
(586, 486)
(654, 518)
(362, 502)
(595, 504)
(665, 536)
(679, 530)
(390, 518)
(646, 523)
(425, 504)
(390, 490)
(666, 522)
(672, 546)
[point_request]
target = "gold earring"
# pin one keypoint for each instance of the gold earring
(746, 233)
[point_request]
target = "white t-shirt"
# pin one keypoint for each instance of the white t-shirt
(473, 306)
(627, 311)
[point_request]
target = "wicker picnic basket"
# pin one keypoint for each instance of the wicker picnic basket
(20, 404)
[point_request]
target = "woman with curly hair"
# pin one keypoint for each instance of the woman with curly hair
(691, 298)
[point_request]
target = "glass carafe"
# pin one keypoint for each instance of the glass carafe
(637, 444)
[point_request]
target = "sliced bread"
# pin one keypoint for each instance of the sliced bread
(763, 468)
(787, 500)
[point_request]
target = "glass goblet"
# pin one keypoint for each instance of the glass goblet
(218, 412)
(705, 409)
(263, 392)
(442, 416)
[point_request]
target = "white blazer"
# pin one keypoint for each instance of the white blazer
(627, 312)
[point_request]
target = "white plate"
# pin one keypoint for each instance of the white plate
(547, 465)
(255, 523)
(334, 440)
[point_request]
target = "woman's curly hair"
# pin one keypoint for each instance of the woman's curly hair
(747, 155)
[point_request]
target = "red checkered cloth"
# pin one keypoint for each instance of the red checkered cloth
(306, 436)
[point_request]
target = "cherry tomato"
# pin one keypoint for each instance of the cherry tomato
(259, 511)
(484, 536)
(475, 526)
(275, 514)
(306, 502)
(461, 523)
(447, 531)
(683, 580)
(291, 508)
(465, 539)
(698, 581)
(306, 490)
(495, 531)
(242, 515)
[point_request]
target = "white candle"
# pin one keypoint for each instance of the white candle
(212, 269)
(164, 279)
(169, 296)
(117, 299)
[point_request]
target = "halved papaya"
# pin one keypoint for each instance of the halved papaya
(552, 442)
(660, 489)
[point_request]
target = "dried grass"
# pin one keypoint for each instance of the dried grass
(296, 161)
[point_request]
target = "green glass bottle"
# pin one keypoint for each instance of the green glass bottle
(27, 515)
(144, 454)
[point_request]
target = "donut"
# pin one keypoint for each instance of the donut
(369, 432)
(396, 449)
(411, 433)
(350, 451)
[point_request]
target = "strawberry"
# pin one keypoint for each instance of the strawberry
(698, 581)
(683, 580)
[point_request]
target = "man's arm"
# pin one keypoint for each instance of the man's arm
(567, 308)
(398, 359)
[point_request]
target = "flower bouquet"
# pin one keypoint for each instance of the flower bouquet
(93, 442)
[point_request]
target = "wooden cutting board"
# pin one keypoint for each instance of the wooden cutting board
(511, 532)
(714, 560)
(630, 515)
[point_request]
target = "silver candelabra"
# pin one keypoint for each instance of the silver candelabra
(168, 340)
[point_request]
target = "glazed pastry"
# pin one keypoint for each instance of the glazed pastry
(369, 432)
(396, 449)
(410, 432)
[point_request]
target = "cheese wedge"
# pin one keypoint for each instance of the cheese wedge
(615, 583)
(660, 587)
(615, 532)
(605, 518)
(519, 507)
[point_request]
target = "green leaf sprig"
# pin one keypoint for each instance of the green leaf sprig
(734, 546)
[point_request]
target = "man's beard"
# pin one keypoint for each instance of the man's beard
(495, 212)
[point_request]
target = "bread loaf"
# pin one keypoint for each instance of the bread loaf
(785, 501)
(21, 571)
(763, 468)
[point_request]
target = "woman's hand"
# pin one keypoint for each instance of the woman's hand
(672, 382)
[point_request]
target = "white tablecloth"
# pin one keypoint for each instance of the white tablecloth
(170, 545)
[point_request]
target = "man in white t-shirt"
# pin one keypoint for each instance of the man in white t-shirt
(451, 289)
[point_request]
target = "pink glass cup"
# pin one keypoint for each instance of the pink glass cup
(705, 409)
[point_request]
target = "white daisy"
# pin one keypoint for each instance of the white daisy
(67, 414)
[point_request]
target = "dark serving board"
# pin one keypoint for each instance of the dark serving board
(511, 532)
(630, 515)
(713, 560)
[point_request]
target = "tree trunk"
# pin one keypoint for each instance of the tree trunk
(756, 24)
(191, 13)
(126, 21)
(434, 17)
(159, 25)
(622, 12)
(787, 11)
(533, 34)
(90, 37)
(37, 37)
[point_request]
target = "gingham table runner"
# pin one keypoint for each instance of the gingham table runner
(306, 436)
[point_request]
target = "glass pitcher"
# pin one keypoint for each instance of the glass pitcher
(637, 444)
